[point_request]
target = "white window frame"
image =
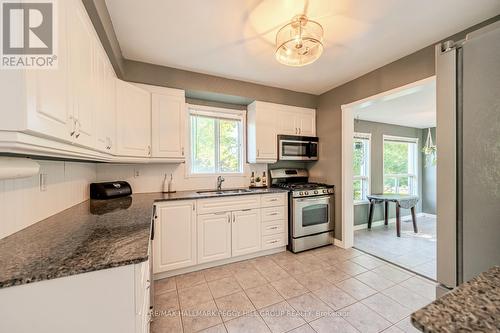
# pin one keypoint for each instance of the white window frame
(413, 167)
(368, 166)
(221, 113)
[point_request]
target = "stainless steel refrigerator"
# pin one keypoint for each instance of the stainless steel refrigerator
(468, 155)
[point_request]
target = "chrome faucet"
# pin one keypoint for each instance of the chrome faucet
(220, 179)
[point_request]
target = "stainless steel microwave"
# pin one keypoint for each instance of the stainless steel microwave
(297, 148)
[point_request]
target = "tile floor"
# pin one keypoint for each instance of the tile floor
(323, 290)
(415, 252)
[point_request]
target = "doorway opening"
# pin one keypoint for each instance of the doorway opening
(389, 176)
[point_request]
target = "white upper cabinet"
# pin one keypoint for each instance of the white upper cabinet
(48, 111)
(262, 140)
(81, 73)
(133, 125)
(168, 123)
(267, 120)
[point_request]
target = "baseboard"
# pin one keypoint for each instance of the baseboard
(426, 215)
(339, 243)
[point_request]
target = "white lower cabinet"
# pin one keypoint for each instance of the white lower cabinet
(197, 232)
(246, 235)
(214, 236)
(175, 235)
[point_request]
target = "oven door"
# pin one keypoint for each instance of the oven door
(312, 215)
(297, 150)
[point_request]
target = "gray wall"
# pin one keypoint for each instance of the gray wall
(428, 178)
(416, 66)
(377, 131)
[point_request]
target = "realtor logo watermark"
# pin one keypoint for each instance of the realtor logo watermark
(28, 34)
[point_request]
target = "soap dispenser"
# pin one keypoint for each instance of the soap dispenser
(171, 185)
(165, 184)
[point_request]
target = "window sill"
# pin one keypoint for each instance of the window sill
(361, 202)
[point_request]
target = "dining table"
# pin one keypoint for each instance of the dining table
(406, 201)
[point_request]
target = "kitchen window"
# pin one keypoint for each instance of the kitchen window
(216, 140)
(361, 166)
(400, 165)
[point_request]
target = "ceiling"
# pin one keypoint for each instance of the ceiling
(235, 38)
(411, 106)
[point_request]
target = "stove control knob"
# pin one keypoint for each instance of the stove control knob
(315, 192)
(301, 193)
(325, 191)
(306, 193)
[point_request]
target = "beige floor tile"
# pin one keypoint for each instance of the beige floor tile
(310, 307)
(313, 280)
(421, 286)
(251, 323)
(194, 295)
(392, 273)
(273, 273)
(170, 323)
(234, 305)
(335, 274)
(367, 261)
(302, 329)
(375, 280)
(387, 307)
(364, 319)
(393, 329)
(263, 296)
(167, 301)
(240, 265)
(294, 267)
(281, 317)
(217, 273)
(165, 285)
(249, 278)
(189, 280)
(289, 287)
(356, 288)
(334, 297)
(200, 316)
(332, 324)
(406, 326)
(215, 329)
(350, 268)
(223, 287)
(406, 297)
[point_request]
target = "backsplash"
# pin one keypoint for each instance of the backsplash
(22, 203)
(146, 178)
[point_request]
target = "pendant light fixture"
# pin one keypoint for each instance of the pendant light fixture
(300, 42)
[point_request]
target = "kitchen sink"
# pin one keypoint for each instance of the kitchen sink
(222, 192)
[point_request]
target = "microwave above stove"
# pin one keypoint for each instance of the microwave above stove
(297, 148)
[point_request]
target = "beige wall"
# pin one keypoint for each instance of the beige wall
(414, 67)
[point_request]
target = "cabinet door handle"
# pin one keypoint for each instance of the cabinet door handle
(234, 218)
(74, 126)
(258, 152)
(273, 199)
(149, 150)
(273, 228)
(274, 241)
(79, 126)
(272, 214)
(228, 218)
(182, 151)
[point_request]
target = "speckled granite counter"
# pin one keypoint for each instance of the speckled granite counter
(93, 235)
(185, 195)
(471, 307)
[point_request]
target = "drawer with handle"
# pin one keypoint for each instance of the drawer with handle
(273, 213)
(272, 200)
(273, 227)
(273, 241)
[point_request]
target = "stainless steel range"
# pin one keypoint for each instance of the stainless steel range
(311, 209)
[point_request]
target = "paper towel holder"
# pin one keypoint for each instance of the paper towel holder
(17, 167)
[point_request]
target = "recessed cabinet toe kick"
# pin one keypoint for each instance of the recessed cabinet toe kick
(197, 234)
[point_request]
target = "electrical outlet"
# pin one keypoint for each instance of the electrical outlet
(43, 182)
(136, 173)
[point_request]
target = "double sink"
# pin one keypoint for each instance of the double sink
(227, 192)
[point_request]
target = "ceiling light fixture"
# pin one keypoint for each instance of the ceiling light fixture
(299, 42)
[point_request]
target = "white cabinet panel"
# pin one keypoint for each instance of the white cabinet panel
(275, 199)
(133, 107)
(175, 235)
(216, 205)
(287, 122)
(214, 237)
(81, 73)
(48, 109)
(273, 227)
(262, 139)
(306, 122)
(168, 115)
(273, 213)
(246, 232)
(273, 241)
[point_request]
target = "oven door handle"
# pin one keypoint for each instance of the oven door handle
(314, 198)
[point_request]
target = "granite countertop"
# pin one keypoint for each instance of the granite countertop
(90, 236)
(471, 307)
(186, 195)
